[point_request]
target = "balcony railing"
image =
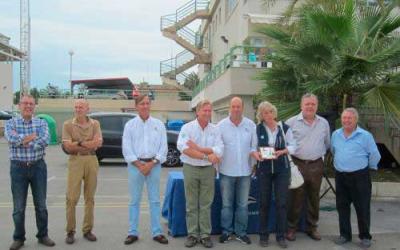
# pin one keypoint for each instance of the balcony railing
(118, 94)
(182, 12)
(238, 56)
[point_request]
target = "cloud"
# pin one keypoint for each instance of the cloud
(109, 38)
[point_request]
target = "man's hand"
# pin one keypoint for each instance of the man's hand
(256, 155)
(28, 139)
(193, 145)
(213, 158)
(148, 166)
(93, 144)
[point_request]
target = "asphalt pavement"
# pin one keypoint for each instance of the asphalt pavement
(111, 214)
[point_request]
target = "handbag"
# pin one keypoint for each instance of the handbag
(296, 178)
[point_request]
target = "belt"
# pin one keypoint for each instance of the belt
(146, 159)
(353, 172)
(26, 164)
(85, 153)
(306, 162)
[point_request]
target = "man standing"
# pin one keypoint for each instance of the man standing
(27, 138)
(81, 136)
(144, 146)
(240, 142)
(312, 135)
(201, 146)
(354, 153)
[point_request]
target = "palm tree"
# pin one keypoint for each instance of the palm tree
(347, 54)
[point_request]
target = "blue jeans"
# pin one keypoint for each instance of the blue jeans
(136, 181)
(21, 177)
(234, 189)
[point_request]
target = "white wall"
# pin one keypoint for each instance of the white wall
(6, 86)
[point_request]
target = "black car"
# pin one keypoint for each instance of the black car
(5, 115)
(112, 127)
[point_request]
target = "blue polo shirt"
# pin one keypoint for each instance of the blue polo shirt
(355, 152)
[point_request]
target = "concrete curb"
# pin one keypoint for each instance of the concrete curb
(380, 190)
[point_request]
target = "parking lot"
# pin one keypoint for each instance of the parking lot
(111, 214)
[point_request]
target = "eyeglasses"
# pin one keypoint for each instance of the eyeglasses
(28, 103)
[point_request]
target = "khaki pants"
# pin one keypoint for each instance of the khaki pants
(199, 185)
(81, 168)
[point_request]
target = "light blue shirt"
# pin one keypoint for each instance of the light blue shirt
(144, 139)
(355, 152)
(239, 142)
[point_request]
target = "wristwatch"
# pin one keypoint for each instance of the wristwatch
(205, 157)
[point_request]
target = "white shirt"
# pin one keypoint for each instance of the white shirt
(239, 142)
(209, 137)
(290, 141)
(144, 139)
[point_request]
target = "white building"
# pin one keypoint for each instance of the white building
(8, 55)
(226, 47)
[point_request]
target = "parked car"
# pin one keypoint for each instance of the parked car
(112, 127)
(4, 115)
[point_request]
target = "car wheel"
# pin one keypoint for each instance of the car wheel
(172, 157)
(99, 158)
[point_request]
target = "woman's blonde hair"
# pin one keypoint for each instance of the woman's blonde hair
(265, 105)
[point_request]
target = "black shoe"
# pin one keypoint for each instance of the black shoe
(263, 242)
(130, 239)
(90, 236)
(244, 239)
(224, 238)
(191, 241)
(341, 240)
(282, 243)
(70, 239)
(207, 242)
(17, 244)
(46, 241)
(160, 239)
(365, 243)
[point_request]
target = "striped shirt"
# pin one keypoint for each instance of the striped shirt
(17, 129)
(313, 140)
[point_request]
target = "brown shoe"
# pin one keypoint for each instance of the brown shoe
(90, 236)
(16, 245)
(46, 241)
(70, 239)
(291, 235)
(314, 235)
(160, 239)
(130, 239)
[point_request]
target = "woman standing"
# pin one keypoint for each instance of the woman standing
(273, 171)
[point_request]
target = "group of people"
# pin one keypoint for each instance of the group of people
(231, 148)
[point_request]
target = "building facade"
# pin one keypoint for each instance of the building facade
(226, 47)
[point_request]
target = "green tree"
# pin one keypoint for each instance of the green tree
(345, 53)
(191, 81)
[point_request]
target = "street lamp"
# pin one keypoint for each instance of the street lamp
(71, 53)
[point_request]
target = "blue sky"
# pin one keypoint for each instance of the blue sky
(109, 38)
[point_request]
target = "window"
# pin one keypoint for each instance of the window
(219, 15)
(113, 123)
(230, 6)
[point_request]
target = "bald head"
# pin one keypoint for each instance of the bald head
(236, 109)
(81, 107)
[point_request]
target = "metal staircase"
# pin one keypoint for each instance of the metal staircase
(173, 26)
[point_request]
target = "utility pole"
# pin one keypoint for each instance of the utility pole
(71, 53)
(25, 46)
